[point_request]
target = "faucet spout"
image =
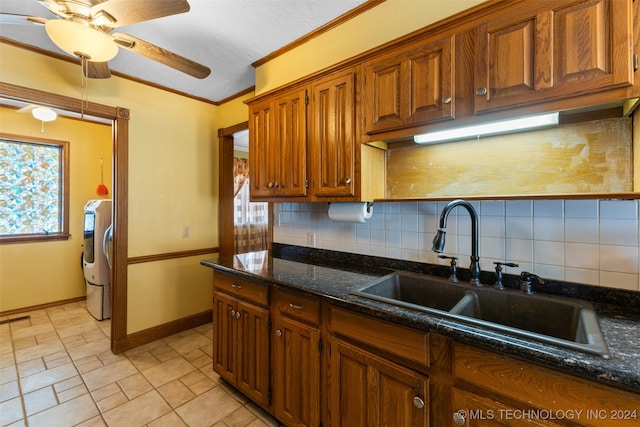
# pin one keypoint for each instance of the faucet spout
(439, 239)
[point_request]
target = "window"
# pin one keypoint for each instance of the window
(34, 189)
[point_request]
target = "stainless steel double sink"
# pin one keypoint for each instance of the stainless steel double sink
(561, 321)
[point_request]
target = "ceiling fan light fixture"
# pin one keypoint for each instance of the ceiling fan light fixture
(74, 37)
(44, 114)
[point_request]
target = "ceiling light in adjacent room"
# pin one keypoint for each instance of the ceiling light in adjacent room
(488, 129)
(81, 40)
(44, 114)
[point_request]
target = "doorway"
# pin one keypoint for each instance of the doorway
(120, 125)
(243, 226)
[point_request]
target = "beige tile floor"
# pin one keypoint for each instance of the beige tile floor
(57, 369)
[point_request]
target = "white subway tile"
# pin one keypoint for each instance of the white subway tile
(519, 251)
(581, 230)
(620, 259)
(548, 252)
(619, 280)
(582, 255)
(492, 226)
(582, 275)
(492, 247)
(409, 240)
(519, 207)
(548, 228)
(492, 207)
(549, 272)
(409, 222)
(619, 232)
(544, 208)
(581, 208)
(519, 227)
(623, 209)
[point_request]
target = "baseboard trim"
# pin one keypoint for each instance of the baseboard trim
(145, 336)
(40, 306)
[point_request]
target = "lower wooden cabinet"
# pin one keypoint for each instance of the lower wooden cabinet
(296, 348)
(473, 410)
(241, 339)
(346, 369)
(369, 391)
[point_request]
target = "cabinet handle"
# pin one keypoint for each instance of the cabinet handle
(296, 307)
(278, 333)
(481, 91)
(446, 99)
(270, 185)
(418, 403)
(347, 180)
(234, 286)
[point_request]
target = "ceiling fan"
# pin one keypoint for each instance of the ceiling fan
(83, 28)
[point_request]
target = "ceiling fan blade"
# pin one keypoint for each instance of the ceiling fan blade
(161, 55)
(117, 13)
(27, 109)
(98, 70)
(10, 18)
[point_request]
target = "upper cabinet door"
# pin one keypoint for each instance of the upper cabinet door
(409, 86)
(551, 50)
(333, 136)
(291, 143)
(278, 146)
(262, 164)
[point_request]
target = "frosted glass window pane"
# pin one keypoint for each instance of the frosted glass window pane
(30, 188)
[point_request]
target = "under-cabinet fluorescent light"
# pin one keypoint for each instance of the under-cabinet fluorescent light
(488, 129)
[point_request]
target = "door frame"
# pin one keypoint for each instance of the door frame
(119, 117)
(226, 239)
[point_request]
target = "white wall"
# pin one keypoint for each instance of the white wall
(585, 241)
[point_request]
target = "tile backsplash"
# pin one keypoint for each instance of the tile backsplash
(594, 242)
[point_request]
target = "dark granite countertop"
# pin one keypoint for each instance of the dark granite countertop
(333, 280)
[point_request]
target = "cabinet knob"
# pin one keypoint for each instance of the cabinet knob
(459, 418)
(233, 313)
(347, 180)
(238, 314)
(446, 99)
(278, 333)
(277, 184)
(481, 91)
(270, 185)
(234, 286)
(418, 403)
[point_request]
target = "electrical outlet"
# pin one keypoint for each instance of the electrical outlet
(311, 239)
(186, 231)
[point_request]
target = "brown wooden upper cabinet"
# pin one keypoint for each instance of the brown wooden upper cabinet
(550, 50)
(333, 136)
(410, 85)
(278, 145)
(304, 144)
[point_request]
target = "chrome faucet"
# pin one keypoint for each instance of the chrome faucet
(439, 240)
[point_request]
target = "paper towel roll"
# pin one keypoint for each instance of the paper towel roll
(350, 212)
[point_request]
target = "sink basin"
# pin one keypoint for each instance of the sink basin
(556, 320)
(560, 321)
(414, 290)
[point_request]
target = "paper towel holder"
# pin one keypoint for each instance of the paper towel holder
(369, 206)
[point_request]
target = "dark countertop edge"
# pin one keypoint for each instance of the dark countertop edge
(562, 360)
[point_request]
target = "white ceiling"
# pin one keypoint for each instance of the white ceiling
(225, 35)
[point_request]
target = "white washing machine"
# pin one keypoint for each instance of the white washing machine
(95, 264)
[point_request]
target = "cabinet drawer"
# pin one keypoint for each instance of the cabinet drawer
(393, 339)
(545, 389)
(241, 288)
(304, 308)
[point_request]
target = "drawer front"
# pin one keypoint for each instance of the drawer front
(390, 338)
(546, 389)
(304, 308)
(243, 289)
